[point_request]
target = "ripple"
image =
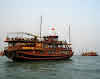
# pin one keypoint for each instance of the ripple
(77, 68)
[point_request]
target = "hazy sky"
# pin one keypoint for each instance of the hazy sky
(83, 15)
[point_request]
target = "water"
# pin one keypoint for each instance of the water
(76, 68)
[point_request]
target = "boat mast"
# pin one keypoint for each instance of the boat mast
(69, 34)
(40, 25)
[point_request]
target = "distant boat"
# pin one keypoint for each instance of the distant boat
(91, 53)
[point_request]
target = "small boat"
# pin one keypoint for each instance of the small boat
(91, 53)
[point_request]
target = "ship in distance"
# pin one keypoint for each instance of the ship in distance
(90, 53)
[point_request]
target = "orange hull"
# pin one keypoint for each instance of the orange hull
(46, 58)
(90, 54)
(30, 56)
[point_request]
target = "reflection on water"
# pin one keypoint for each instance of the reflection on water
(76, 68)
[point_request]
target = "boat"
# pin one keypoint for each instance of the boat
(34, 47)
(91, 53)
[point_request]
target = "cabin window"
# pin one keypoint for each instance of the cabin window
(41, 52)
(55, 39)
(54, 46)
(44, 45)
(64, 46)
(50, 46)
(11, 44)
(19, 54)
(50, 52)
(60, 46)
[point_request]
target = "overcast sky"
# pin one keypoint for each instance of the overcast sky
(83, 15)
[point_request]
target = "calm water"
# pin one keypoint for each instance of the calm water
(77, 68)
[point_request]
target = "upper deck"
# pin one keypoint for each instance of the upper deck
(14, 37)
(21, 37)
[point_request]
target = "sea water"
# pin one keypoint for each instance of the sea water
(78, 67)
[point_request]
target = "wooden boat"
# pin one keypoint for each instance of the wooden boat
(49, 48)
(36, 47)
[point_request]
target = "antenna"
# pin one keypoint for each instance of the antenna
(40, 25)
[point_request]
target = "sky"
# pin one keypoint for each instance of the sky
(82, 15)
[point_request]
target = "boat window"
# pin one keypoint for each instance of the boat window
(64, 46)
(11, 44)
(49, 52)
(52, 46)
(60, 46)
(45, 45)
(41, 52)
(52, 51)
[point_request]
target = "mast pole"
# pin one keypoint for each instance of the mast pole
(69, 34)
(40, 25)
